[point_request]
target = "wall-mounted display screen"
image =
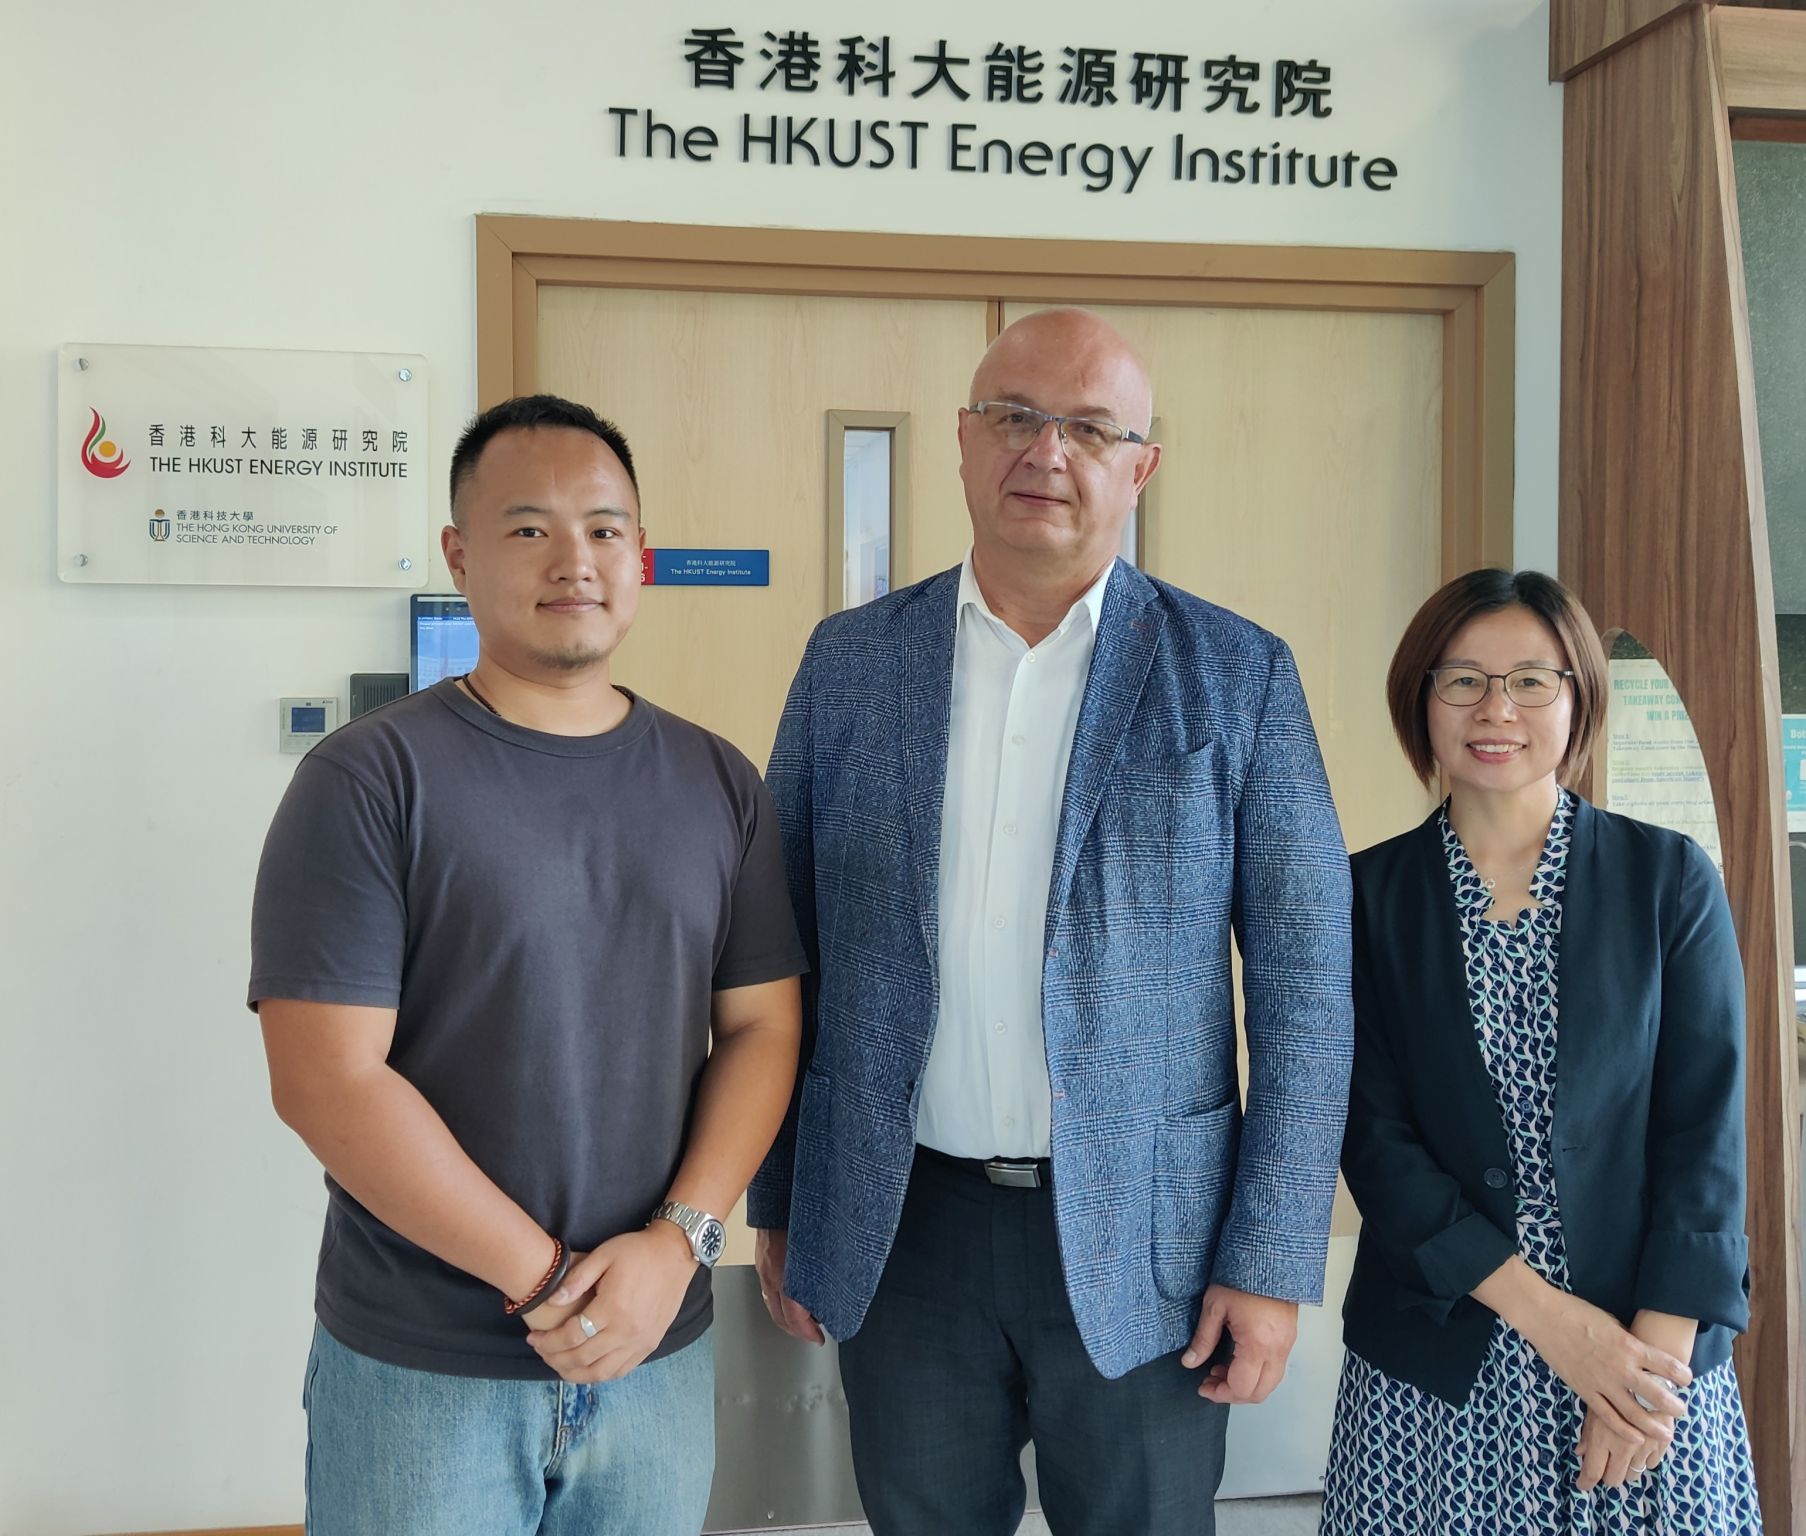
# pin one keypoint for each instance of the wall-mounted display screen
(443, 642)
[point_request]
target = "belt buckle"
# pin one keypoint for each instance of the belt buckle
(1013, 1175)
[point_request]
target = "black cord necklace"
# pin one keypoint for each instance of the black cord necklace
(472, 688)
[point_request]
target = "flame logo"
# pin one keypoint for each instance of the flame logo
(101, 456)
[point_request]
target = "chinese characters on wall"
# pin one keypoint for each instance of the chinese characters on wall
(1009, 73)
(814, 79)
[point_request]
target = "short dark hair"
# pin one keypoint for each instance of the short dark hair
(1449, 610)
(532, 411)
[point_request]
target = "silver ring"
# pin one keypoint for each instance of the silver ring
(1644, 1403)
(590, 1330)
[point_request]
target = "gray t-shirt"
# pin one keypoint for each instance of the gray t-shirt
(549, 916)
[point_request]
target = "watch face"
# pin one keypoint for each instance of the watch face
(710, 1241)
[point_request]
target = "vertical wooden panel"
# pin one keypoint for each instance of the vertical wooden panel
(1583, 31)
(1663, 533)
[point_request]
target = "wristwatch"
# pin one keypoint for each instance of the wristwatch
(706, 1234)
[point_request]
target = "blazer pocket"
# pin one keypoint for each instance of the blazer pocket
(1168, 772)
(1160, 811)
(814, 1128)
(1194, 1171)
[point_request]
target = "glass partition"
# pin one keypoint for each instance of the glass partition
(1771, 209)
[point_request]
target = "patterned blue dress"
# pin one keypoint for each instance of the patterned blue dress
(1403, 1462)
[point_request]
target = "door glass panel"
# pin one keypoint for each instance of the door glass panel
(868, 504)
(865, 480)
(1771, 211)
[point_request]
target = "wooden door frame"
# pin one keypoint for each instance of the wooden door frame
(1475, 293)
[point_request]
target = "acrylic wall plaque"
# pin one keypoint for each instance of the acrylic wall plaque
(202, 464)
(1654, 769)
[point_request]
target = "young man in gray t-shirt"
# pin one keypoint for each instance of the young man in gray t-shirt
(498, 925)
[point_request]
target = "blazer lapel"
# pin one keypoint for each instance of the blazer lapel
(925, 670)
(1583, 965)
(1128, 634)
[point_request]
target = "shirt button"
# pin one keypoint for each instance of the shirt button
(1000, 1026)
(1016, 741)
(1497, 1178)
(1009, 829)
(997, 922)
(1031, 657)
(1008, 1122)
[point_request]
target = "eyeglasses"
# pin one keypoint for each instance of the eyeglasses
(1526, 687)
(1085, 437)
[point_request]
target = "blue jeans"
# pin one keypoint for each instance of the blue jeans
(399, 1452)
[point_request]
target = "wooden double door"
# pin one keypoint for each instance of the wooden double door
(1301, 485)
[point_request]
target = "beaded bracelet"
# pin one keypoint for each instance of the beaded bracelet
(561, 1262)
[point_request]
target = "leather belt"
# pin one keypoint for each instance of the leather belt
(1011, 1172)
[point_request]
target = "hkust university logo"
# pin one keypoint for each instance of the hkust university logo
(159, 527)
(101, 456)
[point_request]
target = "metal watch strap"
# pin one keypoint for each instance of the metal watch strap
(692, 1223)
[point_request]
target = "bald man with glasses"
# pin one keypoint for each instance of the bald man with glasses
(1025, 804)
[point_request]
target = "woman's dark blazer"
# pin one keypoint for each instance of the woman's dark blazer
(1648, 1139)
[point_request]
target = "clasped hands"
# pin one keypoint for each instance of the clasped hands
(1631, 1390)
(628, 1289)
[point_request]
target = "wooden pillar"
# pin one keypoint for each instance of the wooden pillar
(1664, 534)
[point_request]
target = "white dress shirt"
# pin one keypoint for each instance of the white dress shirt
(985, 1092)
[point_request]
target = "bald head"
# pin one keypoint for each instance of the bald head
(1091, 358)
(1048, 512)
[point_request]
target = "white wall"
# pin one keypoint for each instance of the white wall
(234, 174)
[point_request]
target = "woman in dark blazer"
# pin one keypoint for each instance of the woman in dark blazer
(1545, 1131)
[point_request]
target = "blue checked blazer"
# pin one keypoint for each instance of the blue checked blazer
(1195, 805)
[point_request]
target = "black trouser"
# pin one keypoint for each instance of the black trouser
(970, 1350)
